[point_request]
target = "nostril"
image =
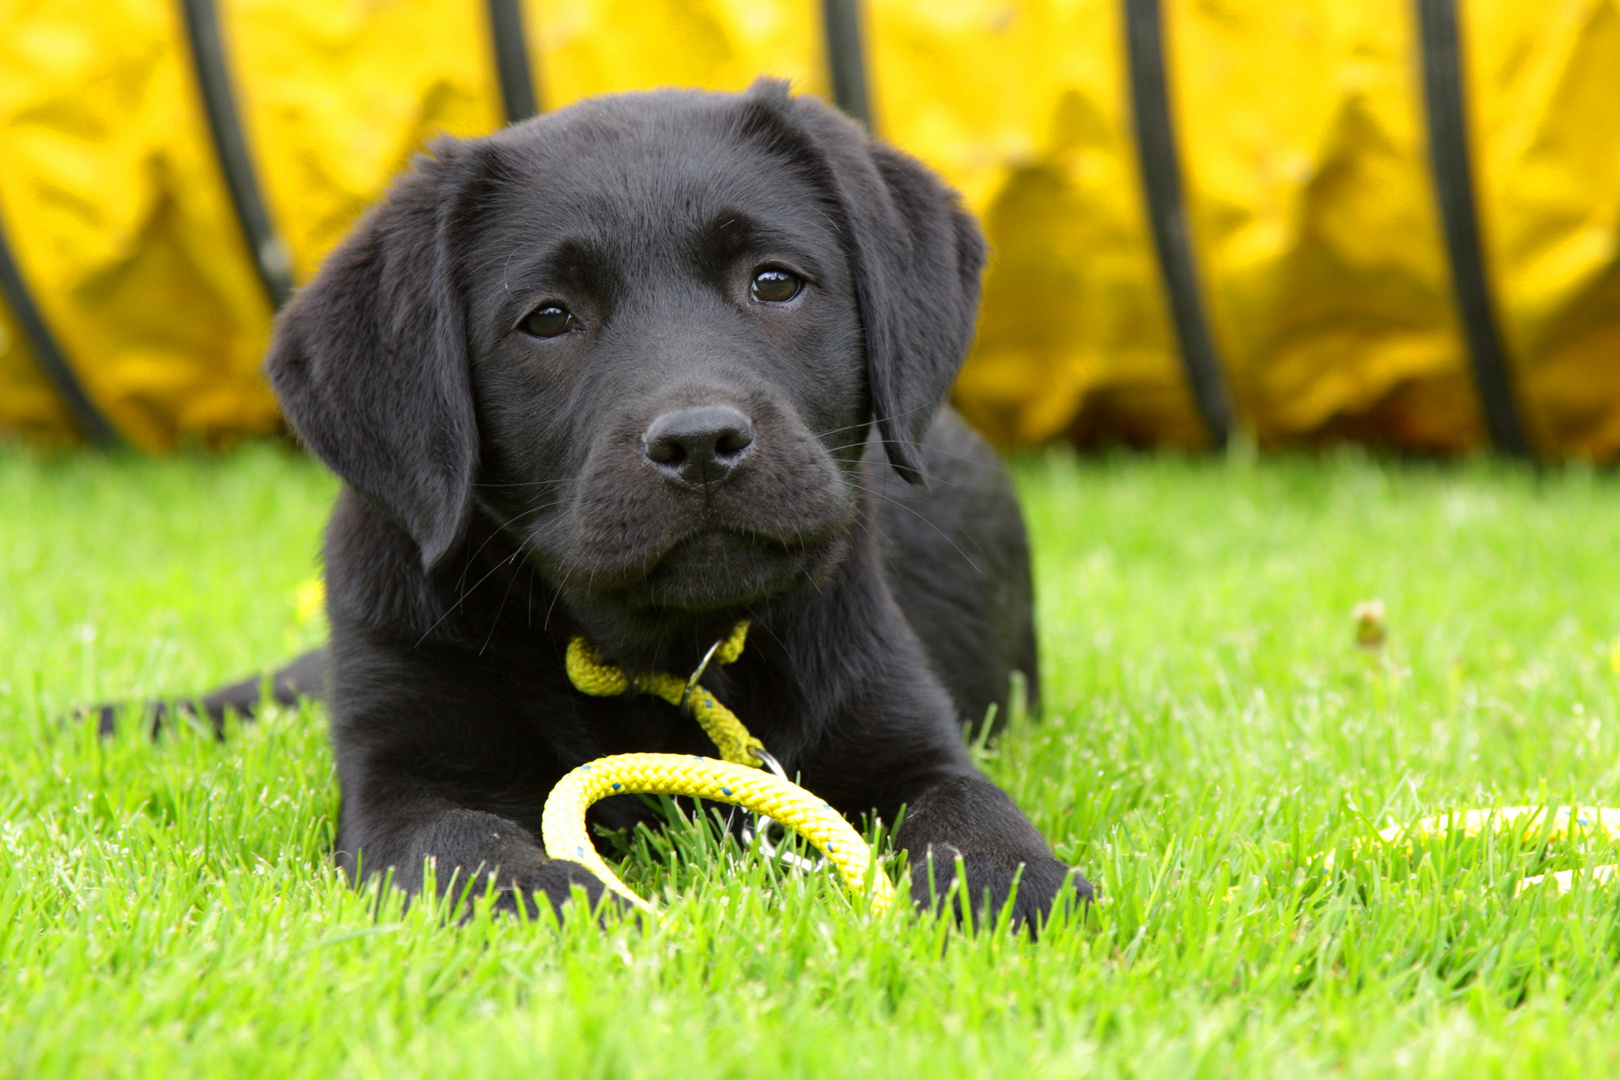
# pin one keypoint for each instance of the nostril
(732, 442)
(664, 451)
(700, 445)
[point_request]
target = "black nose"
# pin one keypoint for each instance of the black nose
(700, 446)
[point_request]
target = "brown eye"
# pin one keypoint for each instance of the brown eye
(549, 321)
(775, 286)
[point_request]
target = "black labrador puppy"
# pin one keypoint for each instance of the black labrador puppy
(631, 370)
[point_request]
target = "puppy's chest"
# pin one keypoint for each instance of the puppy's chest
(593, 727)
(577, 727)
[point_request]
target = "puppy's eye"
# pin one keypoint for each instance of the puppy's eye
(775, 286)
(549, 321)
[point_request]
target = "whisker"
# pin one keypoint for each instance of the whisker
(465, 591)
(996, 467)
(836, 430)
(545, 624)
(873, 420)
(498, 612)
(529, 483)
(896, 502)
(464, 596)
(499, 530)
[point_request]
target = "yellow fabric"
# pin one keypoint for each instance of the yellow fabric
(117, 214)
(593, 675)
(1318, 236)
(1300, 123)
(1305, 162)
(337, 95)
(581, 48)
(563, 833)
(1024, 108)
(1546, 134)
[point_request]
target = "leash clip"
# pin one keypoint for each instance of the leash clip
(697, 673)
(763, 825)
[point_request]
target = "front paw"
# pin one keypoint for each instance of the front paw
(551, 883)
(1042, 883)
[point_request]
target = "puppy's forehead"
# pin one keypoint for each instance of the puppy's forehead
(630, 177)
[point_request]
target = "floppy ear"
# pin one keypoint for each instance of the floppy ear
(369, 361)
(915, 254)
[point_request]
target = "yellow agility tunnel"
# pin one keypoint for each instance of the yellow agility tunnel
(1394, 221)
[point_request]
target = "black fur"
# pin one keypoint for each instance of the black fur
(499, 497)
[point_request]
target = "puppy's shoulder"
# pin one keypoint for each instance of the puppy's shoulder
(374, 574)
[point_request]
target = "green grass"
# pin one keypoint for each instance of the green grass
(1211, 731)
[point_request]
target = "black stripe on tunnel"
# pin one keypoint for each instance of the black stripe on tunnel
(48, 352)
(1459, 215)
(1167, 214)
(846, 58)
(271, 257)
(511, 45)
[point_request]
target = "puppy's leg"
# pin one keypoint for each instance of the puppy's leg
(965, 817)
(304, 678)
(476, 855)
(893, 744)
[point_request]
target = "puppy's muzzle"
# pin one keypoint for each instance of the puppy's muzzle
(699, 448)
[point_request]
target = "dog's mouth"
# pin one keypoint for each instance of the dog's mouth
(709, 570)
(628, 538)
(713, 569)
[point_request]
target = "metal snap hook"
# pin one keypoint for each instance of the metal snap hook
(763, 825)
(697, 673)
(771, 763)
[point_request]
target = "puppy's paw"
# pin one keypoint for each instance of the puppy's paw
(552, 882)
(1043, 885)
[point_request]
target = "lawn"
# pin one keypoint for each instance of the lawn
(1215, 752)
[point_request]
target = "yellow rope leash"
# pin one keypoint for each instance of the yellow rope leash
(1532, 823)
(562, 828)
(593, 675)
(739, 779)
(1594, 820)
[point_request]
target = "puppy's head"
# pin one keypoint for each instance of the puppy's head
(645, 337)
